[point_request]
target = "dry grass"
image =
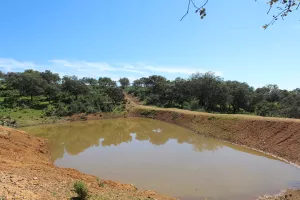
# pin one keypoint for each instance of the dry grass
(223, 116)
(134, 104)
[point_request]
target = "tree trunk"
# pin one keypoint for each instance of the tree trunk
(31, 97)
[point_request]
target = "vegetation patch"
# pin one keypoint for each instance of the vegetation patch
(33, 97)
(210, 93)
(81, 189)
(211, 118)
(101, 184)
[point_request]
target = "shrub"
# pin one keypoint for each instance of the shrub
(81, 189)
(265, 108)
(152, 99)
(101, 184)
(59, 109)
(194, 104)
(186, 105)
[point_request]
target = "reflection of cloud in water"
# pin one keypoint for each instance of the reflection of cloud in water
(75, 137)
(157, 130)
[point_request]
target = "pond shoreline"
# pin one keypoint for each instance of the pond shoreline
(277, 138)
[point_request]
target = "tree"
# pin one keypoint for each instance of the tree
(156, 83)
(30, 83)
(284, 7)
(124, 82)
(240, 94)
(209, 90)
(52, 87)
(274, 94)
(265, 108)
(72, 85)
(50, 77)
(90, 81)
(181, 91)
(290, 105)
(105, 82)
(52, 90)
(2, 75)
(11, 80)
(116, 95)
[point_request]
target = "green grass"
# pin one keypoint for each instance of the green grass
(27, 116)
(101, 184)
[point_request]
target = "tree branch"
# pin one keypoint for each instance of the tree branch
(187, 12)
(197, 8)
(284, 8)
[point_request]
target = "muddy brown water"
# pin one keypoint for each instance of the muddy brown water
(166, 158)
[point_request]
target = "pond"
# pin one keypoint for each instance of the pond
(166, 158)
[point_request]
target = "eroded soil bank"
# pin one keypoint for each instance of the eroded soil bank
(26, 172)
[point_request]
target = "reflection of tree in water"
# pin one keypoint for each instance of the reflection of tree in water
(208, 145)
(77, 136)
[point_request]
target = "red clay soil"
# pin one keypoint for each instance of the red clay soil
(26, 172)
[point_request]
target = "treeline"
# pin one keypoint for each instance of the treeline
(62, 96)
(207, 92)
(59, 96)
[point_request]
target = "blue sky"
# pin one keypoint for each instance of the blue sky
(136, 38)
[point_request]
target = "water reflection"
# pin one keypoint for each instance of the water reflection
(75, 137)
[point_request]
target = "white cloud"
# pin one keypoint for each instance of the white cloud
(83, 65)
(8, 64)
(167, 69)
(99, 69)
(131, 68)
(181, 70)
(81, 68)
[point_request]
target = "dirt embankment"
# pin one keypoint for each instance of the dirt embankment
(26, 172)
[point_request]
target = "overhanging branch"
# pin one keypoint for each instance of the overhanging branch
(198, 9)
